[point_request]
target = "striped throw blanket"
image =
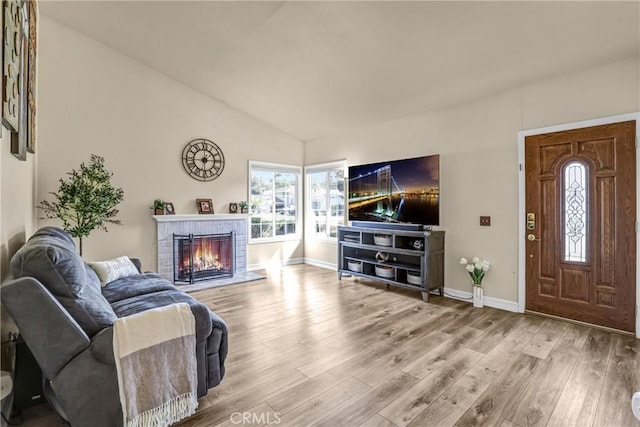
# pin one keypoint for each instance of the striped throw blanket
(155, 353)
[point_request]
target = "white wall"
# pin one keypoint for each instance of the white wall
(17, 201)
(477, 143)
(94, 99)
(17, 220)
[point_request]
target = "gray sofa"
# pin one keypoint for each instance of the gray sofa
(66, 317)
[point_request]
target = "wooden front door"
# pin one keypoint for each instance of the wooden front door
(580, 230)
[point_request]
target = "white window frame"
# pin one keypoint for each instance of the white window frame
(277, 167)
(322, 167)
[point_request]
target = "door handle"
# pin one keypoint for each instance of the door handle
(532, 237)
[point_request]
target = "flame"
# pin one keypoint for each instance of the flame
(204, 258)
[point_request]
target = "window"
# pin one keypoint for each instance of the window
(575, 212)
(325, 199)
(274, 201)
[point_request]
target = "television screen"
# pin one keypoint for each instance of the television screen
(401, 191)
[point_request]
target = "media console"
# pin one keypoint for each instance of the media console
(395, 256)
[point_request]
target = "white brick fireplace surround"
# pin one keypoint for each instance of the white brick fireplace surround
(168, 225)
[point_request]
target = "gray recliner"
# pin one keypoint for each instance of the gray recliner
(80, 381)
(65, 317)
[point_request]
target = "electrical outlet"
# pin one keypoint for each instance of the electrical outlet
(485, 221)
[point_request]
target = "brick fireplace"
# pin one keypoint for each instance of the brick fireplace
(234, 226)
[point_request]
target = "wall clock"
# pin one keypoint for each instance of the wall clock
(202, 159)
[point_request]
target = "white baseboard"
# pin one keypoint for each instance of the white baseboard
(502, 304)
(262, 266)
(488, 301)
(450, 293)
(321, 264)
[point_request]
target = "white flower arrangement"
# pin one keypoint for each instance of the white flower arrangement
(476, 269)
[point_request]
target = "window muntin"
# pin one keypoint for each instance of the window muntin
(575, 200)
(274, 201)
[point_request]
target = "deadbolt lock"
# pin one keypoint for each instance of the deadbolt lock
(531, 221)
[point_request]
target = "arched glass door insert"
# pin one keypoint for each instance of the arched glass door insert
(576, 201)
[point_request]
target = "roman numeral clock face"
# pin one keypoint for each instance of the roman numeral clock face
(202, 160)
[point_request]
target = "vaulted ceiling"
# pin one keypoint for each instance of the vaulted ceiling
(312, 69)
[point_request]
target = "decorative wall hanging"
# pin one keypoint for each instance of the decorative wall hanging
(202, 159)
(18, 76)
(2, 41)
(19, 144)
(32, 10)
(12, 27)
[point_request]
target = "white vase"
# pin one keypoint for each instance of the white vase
(478, 296)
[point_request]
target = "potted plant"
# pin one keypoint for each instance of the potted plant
(86, 200)
(244, 206)
(477, 268)
(159, 206)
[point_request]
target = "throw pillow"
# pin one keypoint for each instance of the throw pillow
(114, 269)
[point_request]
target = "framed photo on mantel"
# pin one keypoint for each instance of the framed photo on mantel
(169, 209)
(205, 206)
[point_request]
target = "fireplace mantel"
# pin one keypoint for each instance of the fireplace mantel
(196, 217)
(168, 225)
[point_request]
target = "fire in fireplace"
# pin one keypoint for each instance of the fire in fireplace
(203, 257)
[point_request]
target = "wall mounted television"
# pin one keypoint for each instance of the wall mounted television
(403, 191)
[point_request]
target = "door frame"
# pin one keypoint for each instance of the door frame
(521, 198)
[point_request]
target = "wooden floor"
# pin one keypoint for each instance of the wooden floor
(307, 349)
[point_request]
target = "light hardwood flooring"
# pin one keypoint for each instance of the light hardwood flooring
(309, 350)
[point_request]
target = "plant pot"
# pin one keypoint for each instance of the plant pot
(244, 210)
(159, 211)
(478, 296)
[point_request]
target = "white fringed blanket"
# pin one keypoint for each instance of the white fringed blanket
(155, 353)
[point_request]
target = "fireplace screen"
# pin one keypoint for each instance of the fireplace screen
(203, 257)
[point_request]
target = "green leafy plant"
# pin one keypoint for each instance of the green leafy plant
(159, 204)
(243, 204)
(85, 200)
